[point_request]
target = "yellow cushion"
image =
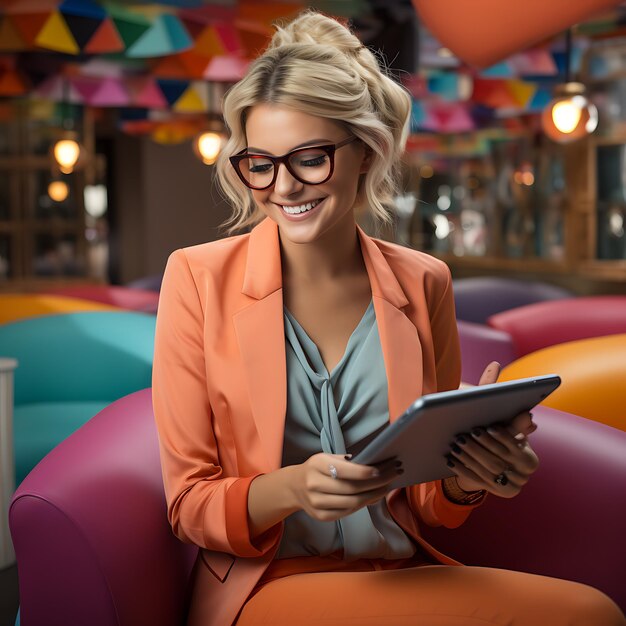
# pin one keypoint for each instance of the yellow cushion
(14, 307)
(593, 372)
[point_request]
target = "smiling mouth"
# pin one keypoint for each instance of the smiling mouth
(301, 208)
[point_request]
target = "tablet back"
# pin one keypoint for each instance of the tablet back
(421, 437)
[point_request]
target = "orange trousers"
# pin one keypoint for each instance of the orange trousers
(375, 592)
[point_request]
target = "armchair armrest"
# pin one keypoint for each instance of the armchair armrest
(90, 531)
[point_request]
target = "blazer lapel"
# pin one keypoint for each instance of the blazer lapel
(261, 337)
(399, 339)
(260, 334)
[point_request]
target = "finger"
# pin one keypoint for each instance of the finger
(491, 373)
(509, 490)
(522, 423)
(488, 466)
(346, 498)
(349, 470)
(490, 453)
(523, 457)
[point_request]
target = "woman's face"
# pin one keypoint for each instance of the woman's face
(276, 130)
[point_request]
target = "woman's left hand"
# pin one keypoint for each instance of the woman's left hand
(497, 459)
(489, 454)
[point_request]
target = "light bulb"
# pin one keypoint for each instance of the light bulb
(58, 190)
(570, 115)
(66, 153)
(566, 115)
(208, 146)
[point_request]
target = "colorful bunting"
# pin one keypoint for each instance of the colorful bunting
(131, 26)
(55, 35)
(10, 38)
(105, 39)
(166, 36)
(193, 100)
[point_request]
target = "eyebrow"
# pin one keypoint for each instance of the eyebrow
(310, 142)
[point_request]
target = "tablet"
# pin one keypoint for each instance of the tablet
(422, 435)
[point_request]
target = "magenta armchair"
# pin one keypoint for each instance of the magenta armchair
(94, 547)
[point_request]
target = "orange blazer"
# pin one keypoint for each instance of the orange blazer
(220, 390)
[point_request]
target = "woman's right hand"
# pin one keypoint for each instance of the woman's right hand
(325, 498)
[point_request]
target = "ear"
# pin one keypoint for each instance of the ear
(367, 160)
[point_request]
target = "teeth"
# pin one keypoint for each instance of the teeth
(294, 210)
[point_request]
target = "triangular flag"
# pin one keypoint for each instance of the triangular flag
(144, 92)
(166, 35)
(10, 38)
(111, 93)
(105, 39)
(226, 69)
(29, 25)
(191, 101)
(170, 66)
(499, 70)
(83, 8)
(54, 88)
(195, 64)
(11, 83)
(209, 43)
(87, 86)
(228, 37)
(172, 89)
(131, 26)
(82, 28)
(55, 35)
(521, 91)
(534, 62)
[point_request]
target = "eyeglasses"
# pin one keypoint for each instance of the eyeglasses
(312, 166)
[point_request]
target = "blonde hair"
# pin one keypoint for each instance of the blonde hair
(317, 66)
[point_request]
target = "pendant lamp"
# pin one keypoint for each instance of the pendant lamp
(570, 115)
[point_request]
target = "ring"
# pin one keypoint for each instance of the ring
(502, 478)
(333, 471)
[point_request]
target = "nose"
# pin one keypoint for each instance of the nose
(285, 184)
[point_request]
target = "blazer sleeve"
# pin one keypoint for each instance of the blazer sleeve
(427, 500)
(204, 507)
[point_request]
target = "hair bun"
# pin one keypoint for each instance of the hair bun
(312, 27)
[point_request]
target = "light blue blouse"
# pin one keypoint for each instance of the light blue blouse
(338, 413)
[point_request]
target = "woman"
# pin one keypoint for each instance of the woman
(280, 351)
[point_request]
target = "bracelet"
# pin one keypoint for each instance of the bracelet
(457, 495)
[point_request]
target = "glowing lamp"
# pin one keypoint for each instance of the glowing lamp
(207, 146)
(66, 153)
(569, 115)
(58, 190)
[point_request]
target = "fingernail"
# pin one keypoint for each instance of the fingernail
(492, 431)
(450, 463)
(375, 473)
(456, 448)
(398, 463)
(531, 415)
(347, 457)
(460, 439)
(476, 432)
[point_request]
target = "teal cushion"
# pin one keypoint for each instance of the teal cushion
(39, 427)
(80, 356)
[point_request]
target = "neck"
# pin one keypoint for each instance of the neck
(335, 255)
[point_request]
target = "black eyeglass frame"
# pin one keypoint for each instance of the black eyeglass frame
(277, 160)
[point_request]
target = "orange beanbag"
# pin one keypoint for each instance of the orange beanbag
(14, 307)
(593, 372)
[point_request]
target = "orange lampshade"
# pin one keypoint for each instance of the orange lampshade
(483, 32)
